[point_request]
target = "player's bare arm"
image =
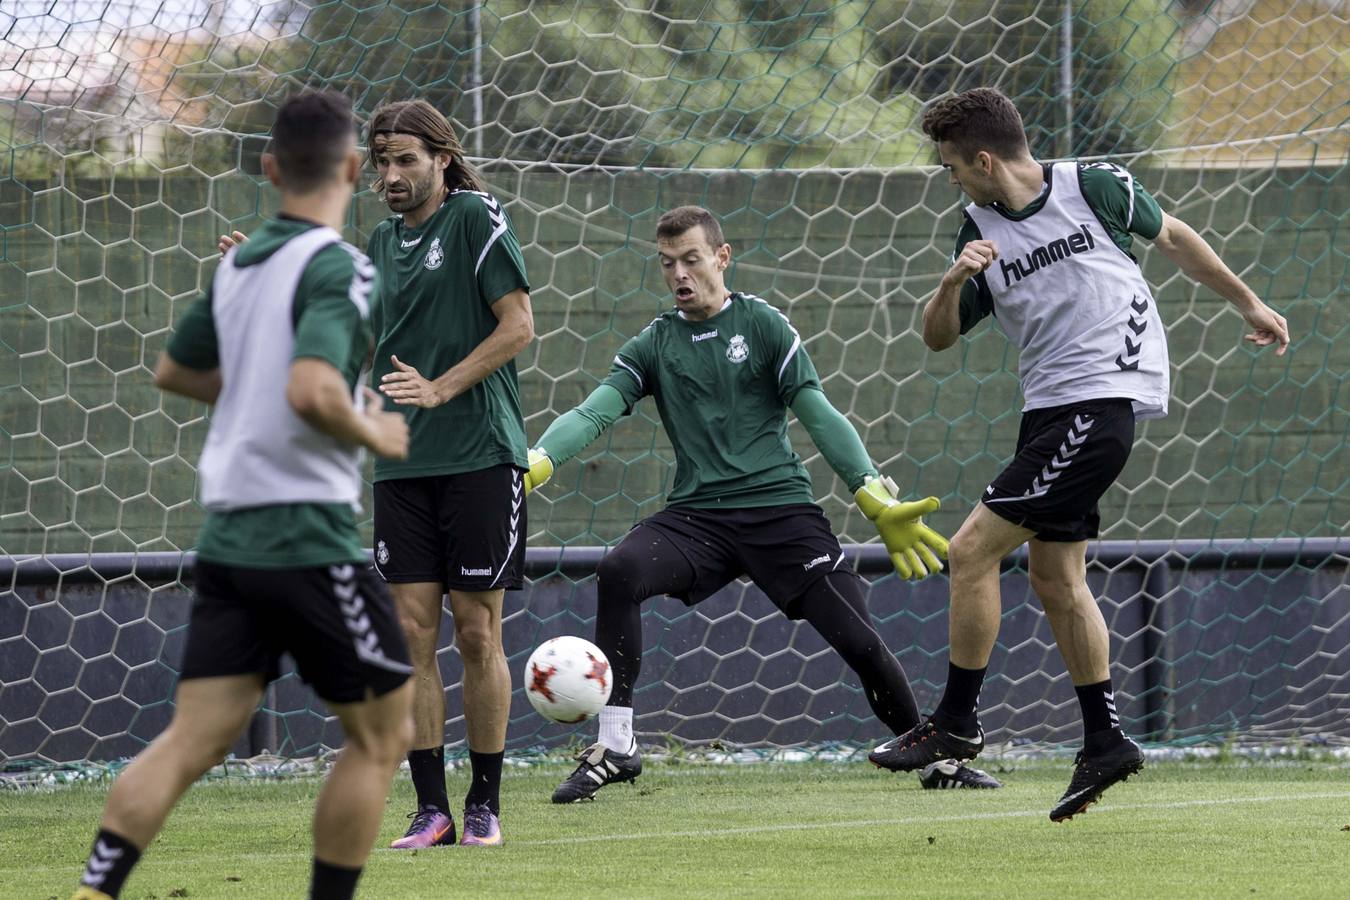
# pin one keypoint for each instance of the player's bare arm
(1180, 243)
(318, 394)
(407, 386)
(942, 314)
(176, 378)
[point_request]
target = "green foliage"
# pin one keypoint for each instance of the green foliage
(1122, 63)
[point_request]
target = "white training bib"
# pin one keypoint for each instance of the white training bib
(1075, 304)
(258, 451)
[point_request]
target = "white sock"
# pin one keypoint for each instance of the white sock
(616, 729)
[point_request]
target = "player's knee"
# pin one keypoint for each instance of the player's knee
(1058, 592)
(198, 751)
(477, 642)
(421, 638)
(966, 553)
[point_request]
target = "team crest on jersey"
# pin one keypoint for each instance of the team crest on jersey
(435, 256)
(382, 553)
(737, 350)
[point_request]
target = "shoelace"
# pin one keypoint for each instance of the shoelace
(477, 820)
(592, 756)
(923, 733)
(421, 819)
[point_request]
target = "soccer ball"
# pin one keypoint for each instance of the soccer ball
(567, 679)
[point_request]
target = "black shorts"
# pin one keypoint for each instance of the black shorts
(336, 622)
(1067, 456)
(783, 549)
(464, 531)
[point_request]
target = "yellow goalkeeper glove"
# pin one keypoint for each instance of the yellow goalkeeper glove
(541, 470)
(914, 548)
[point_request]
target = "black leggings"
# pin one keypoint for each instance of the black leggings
(646, 564)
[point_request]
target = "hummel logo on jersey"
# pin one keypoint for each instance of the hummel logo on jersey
(737, 350)
(815, 562)
(404, 245)
(1074, 242)
(704, 336)
(435, 256)
(464, 570)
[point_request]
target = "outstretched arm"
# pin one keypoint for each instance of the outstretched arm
(914, 548)
(1180, 243)
(571, 432)
(835, 436)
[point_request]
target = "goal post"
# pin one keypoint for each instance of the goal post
(129, 139)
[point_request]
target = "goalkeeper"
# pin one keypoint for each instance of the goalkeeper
(724, 368)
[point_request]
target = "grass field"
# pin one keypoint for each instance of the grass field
(1200, 829)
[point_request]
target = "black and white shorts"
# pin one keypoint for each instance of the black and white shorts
(783, 549)
(1067, 456)
(464, 531)
(337, 622)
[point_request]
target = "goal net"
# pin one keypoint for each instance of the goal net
(129, 138)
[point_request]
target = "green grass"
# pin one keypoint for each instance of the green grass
(1206, 829)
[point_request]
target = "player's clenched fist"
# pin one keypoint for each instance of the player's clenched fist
(975, 257)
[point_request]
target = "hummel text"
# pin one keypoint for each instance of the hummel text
(1074, 242)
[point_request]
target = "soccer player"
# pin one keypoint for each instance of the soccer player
(454, 304)
(453, 312)
(1046, 249)
(277, 344)
(724, 368)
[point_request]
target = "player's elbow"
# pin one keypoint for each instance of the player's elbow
(165, 371)
(524, 331)
(936, 339)
(306, 400)
(311, 390)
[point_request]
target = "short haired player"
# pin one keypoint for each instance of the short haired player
(278, 345)
(1045, 248)
(724, 368)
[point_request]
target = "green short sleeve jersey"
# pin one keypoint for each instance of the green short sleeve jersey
(1123, 206)
(437, 287)
(722, 387)
(328, 313)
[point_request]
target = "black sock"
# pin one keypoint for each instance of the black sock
(330, 882)
(485, 784)
(1098, 703)
(956, 710)
(428, 777)
(110, 862)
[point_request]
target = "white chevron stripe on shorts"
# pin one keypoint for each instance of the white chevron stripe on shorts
(1073, 442)
(353, 607)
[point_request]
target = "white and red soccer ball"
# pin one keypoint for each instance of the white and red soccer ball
(567, 679)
